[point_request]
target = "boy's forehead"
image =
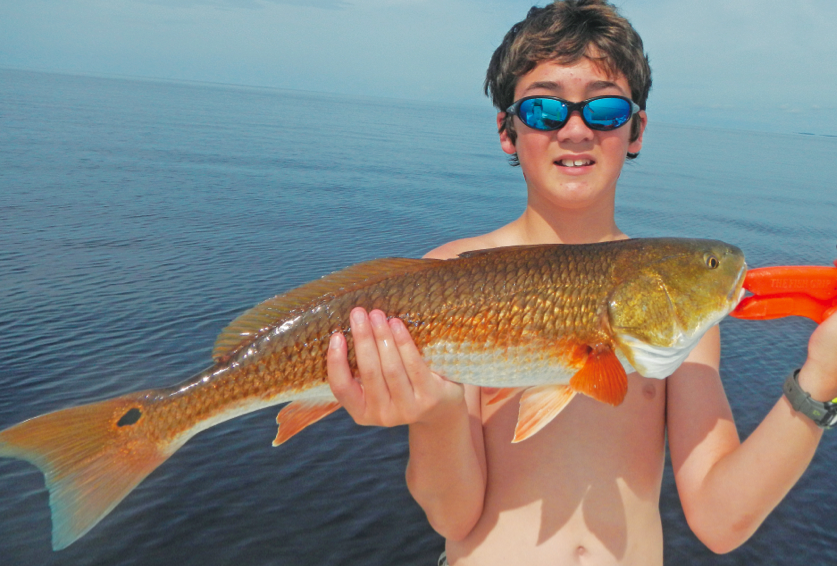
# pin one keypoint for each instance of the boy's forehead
(588, 74)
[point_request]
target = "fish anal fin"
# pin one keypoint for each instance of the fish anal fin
(498, 394)
(538, 406)
(91, 457)
(297, 415)
(602, 377)
(265, 315)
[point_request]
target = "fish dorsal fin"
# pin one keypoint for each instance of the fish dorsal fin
(603, 378)
(538, 406)
(474, 253)
(297, 415)
(264, 315)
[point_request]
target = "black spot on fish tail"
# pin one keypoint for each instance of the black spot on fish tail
(129, 418)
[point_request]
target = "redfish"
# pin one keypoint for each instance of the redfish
(556, 320)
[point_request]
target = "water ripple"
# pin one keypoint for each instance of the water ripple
(140, 217)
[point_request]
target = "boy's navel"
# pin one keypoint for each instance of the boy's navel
(649, 391)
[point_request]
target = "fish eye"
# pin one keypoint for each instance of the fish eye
(711, 261)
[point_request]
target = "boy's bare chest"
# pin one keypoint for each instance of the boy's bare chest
(581, 481)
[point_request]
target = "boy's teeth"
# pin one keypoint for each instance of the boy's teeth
(575, 163)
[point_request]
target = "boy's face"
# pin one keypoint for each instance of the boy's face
(548, 158)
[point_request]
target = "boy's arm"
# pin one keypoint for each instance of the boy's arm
(728, 488)
(446, 473)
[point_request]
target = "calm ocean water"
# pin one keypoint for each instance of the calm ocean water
(137, 218)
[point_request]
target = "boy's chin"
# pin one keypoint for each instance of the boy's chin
(577, 196)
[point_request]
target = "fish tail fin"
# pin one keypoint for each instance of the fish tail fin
(91, 457)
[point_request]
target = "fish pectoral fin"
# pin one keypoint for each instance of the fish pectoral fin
(603, 378)
(498, 394)
(538, 406)
(297, 415)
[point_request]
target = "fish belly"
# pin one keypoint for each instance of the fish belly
(525, 365)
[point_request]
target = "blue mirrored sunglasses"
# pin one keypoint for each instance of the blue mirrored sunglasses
(549, 113)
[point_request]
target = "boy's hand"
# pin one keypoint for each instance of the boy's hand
(819, 374)
(394, 385)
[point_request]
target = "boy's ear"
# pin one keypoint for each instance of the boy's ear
(636, 145)
(505, 139)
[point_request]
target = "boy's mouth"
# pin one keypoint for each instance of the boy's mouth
(574, 162)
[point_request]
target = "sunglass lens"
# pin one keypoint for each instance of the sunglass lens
(607, 113)
(543, 113)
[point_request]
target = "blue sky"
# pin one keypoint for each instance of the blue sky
(754, 64)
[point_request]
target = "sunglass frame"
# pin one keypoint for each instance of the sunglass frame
(514, 109)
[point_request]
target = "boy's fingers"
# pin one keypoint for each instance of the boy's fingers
(343, 384)
(414, 364)
(429, 389)
(397, 380)
(822, 352)
(376, 393)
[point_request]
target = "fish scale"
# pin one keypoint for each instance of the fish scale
(556, 320)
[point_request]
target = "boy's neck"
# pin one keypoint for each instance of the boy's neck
(544, 223)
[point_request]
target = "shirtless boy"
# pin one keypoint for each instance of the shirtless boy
(586, 488)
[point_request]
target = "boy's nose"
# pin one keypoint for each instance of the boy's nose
(575, 129)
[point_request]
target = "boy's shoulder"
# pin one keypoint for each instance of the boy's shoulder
(452, 249)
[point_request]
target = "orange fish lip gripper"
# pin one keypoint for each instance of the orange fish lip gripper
(798, 290)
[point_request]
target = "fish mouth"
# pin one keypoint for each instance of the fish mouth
(738, 291)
